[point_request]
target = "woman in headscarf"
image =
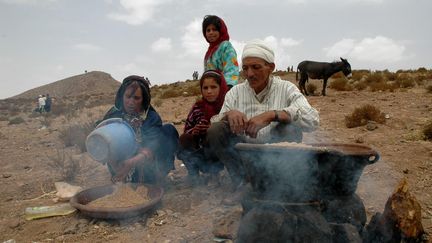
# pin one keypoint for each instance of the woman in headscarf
(157, 143)
(193, 147)
(220, 54)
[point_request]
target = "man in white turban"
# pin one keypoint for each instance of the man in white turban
(264, 109)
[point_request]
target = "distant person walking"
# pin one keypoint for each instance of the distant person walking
(220, 54)
(41, 101)
(48, 103)
(195, 75)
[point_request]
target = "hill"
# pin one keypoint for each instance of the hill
(90, 83)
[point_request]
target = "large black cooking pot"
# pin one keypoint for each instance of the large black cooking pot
(290, 172)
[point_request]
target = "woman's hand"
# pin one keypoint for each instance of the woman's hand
(122, 169)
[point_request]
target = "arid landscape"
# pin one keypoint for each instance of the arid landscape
(40, 149)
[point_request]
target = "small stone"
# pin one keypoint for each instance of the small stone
(405, 171)
(359, 140)
(160, 213)
(103, 224)
(180, 224)
(6, 175)
(371, 125)
(10, 241)
(160, 222)
(14, 223)
(72, 229)
(83, 221)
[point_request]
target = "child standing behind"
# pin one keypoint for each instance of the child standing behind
(193, 146)
(220, 54)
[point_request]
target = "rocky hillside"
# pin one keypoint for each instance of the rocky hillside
(90, 83)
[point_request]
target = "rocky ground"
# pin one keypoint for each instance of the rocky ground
(192, 214)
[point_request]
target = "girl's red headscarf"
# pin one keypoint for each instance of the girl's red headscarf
(212, 108)
(223, 33)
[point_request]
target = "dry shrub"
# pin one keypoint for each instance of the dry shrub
(35, 114)
(407, 83)
(311, 88)
(4, 118)
(65, 164)
(75, 135)
(46, 121)
(11, 109)
(390, 76)
(98, 102)
(419, 79)
(427, 131)
(170, 93)
(375, 77)
(340, 84)
(429, 89)
(16, 120)
(383, 86)
(361, 115)
(422, 70)
(59, 108)
(359, 85)
(358, 74)
(157, 102)
(338, 75)
(194, 90)
(79, 104)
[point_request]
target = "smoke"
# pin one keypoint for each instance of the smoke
(282, 175)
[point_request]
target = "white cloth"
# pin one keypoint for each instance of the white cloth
(258, 48)
(282, 95)
(41, 101)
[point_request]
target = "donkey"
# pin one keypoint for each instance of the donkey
(320, 70)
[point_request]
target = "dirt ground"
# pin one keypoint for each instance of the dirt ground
(190, 214)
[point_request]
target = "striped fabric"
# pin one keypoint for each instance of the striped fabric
(282, 95)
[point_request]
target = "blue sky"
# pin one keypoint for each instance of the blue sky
(42, 41)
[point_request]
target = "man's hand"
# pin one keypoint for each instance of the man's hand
(237, 121)
(257, 122)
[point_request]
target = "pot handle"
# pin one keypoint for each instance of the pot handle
(373, 156)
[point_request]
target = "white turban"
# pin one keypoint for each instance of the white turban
(257, 48)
